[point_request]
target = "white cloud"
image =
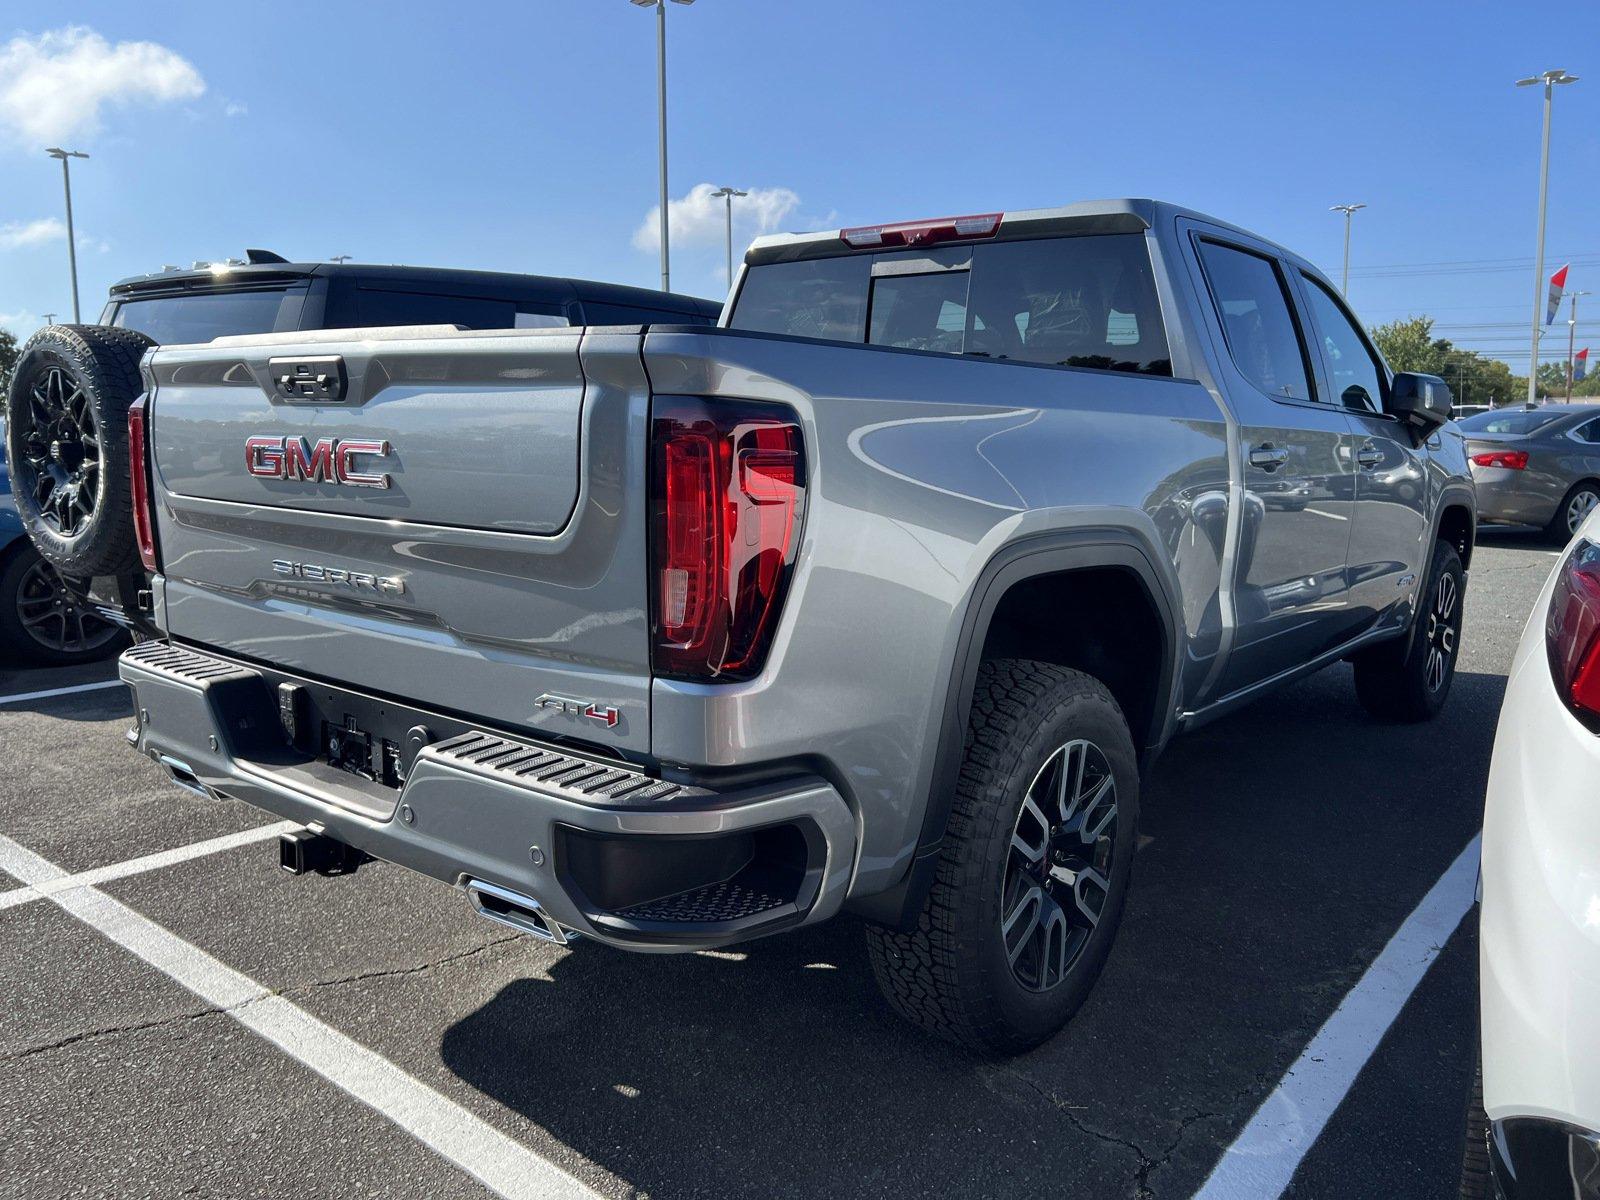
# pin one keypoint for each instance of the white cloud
(21, 323)
(16, 234)
(235, 108)
(698, 219)
(53, 86)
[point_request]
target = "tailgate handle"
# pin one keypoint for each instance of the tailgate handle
(316, 380)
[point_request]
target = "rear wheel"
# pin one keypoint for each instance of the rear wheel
(67, 444)
(1477, 1181)
(42, 621)
(1038, 853)
(1409, 679)
(1575, 507)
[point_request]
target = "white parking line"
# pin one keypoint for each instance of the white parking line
(1263, 1158)
(20, 697)
(501, 1163)
(147, 862)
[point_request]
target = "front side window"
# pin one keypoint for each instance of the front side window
(1256, 320)
(1352, 369)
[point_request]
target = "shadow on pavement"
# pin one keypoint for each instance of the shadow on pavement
(1286, 844)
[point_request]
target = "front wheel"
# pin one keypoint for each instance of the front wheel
(1409, 679)
(1038, 853)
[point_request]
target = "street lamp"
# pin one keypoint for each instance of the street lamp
(1572, 335)
(727, 194)
(49, 318)
(1348, 210)
(661, 99)
(1549, 79)
(72, 242)
(340, 258)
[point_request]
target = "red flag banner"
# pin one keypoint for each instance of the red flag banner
(1558, 284)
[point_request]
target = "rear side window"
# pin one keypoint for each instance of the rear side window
(1254, 308)
(201, 316)
(816, 298)
(375, 306)
(1076, 302)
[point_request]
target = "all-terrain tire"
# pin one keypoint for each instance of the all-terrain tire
(1477, 1180)
(67, 445)
(952, 974)
(1408, 679)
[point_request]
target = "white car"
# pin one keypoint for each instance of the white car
(1539, 1123)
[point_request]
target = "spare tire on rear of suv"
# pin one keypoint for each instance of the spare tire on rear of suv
(67, 443)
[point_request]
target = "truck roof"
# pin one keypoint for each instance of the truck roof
(1126, 215)
(487, 284)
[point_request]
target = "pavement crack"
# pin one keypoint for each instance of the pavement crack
(394, 972)
(88, 1035)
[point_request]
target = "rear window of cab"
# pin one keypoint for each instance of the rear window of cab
(1068, 301)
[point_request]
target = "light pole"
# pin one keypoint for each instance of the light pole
(1349, 210)
(1572, 336)
(49, 318)
(727, 194)
(72, 242)
(339, 258)
(661, 103)
(1549, 79)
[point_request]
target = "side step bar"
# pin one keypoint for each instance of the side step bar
(519, 912)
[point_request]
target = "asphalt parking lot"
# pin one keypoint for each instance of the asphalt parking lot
(214, 1027)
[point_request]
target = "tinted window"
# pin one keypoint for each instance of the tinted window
(1075, 302)
(1519, 422)
(816, 297)
(379, 307)
(627, 314)
(1352, 370)
(1589, 431)
(199, 317)
(1256, 320)
(920, 312)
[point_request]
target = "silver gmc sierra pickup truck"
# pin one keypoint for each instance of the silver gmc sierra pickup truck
(879, 596)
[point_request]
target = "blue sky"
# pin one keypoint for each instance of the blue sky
(524, 138)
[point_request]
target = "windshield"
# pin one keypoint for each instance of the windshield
(1086, 301)
(1507, 422)
(201, 316)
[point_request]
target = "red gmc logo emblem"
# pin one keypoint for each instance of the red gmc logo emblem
(329, 460)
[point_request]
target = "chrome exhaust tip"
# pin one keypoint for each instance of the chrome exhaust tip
(516, 911)
(182, 774)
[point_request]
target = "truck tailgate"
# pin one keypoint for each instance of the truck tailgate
(456, 520)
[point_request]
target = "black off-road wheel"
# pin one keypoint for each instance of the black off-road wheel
(67, 445)
(1030, 884)
(42, 621)
(1408, 679)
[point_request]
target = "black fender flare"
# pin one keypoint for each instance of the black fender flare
(1028, 557)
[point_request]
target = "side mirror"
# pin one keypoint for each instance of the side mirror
(1422, 401)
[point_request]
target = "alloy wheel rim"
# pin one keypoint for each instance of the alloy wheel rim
(1444, 628)
(1582, 505)
(1058, 868)
(60, 449)
(54, 618)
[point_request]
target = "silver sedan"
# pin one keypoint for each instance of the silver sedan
(1536, 466)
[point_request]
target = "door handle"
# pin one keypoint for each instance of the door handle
(1369, 456)
(1269, 457)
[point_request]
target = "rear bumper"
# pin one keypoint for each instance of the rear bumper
(1507, 497)
(606, 851)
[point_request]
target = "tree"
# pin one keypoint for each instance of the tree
(1409, 345)
(8, 358)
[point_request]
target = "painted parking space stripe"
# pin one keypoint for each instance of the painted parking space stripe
(504, 1165)
(146, 862)
(1263, 1158)
(48, 693)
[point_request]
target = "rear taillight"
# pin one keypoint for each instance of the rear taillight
(1515, 460)
(1572, 630)
(727, 496)
(144, 522)
(922, 233)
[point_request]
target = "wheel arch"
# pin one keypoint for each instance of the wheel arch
(1457, 523)
(1046, 564)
